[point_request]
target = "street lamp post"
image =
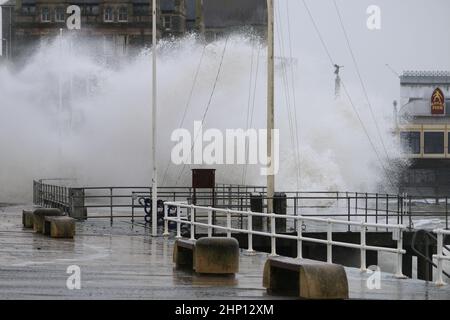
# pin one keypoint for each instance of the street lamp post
(154, 113)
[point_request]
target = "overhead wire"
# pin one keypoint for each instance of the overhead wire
(219, 69)
(188, 103)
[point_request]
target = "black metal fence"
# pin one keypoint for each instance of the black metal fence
(123, 202)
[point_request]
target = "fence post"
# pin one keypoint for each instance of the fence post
(273, 243)
(363, 247)
(166, 222)
(366, 209)
(132, 206)
(299, 239)
(446, 213)
(348, 210)
(111, 204)
(410, 213)
(250, 230)
(387, 208)
(439, 253)
(209, 222)
(399, 273)
(329, 239)
(295, 212)
(228, 223)
(192, 223)
(376, 210)
(178, 223)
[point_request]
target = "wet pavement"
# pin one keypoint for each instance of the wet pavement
(123, 261)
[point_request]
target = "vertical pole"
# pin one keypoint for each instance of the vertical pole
(60, 102)
(439, 253)
(250, 229)
(348, 210)
(299, 240)
(410, 213)
(209, 222)
(132, 208)
(363, 247)
(387, 209)
(178, 223)
(399, 273)
(270, 104)
(376, 211)
(273, 243)
(192, 224)
(366, 209)
(111, 204)
(166, 222)
(154, 112)
(228, 223)
(329, 239)
(446, 212)
(295, 211)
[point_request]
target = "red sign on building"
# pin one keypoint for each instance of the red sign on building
(437, 102)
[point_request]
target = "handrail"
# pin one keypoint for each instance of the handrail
(440, 255)
(381, 207)
(398, 231)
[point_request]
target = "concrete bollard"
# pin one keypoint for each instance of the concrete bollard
(306, 279)
(27, 219)
(59, 227)
(39, 216)
(216, 255)
(183, 253)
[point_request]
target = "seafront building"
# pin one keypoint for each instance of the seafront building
(123, 24)
(423, 125)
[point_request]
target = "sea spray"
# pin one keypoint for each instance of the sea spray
(100, 134)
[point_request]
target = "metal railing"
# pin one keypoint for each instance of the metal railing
(440, 256)
(122, 202)
(51, 195)
(273, 235)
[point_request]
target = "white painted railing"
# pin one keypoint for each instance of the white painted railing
(363, 247)
(440, 255)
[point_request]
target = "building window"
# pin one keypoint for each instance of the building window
(123, 14)
(60, 15)
(108, 17)
(167, 22)
(410, 140)
(140, 10)
(94, 10)
(28, 10)
(434, 142)
(45, 14)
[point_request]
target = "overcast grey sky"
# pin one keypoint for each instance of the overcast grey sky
(414, 35)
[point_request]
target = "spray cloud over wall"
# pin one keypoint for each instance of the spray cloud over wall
(101, 133)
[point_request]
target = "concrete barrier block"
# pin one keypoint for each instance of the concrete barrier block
(216, 255)
(59, 227)
(183, 253)
(304, 278)
(40, 214)
(27, 219)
